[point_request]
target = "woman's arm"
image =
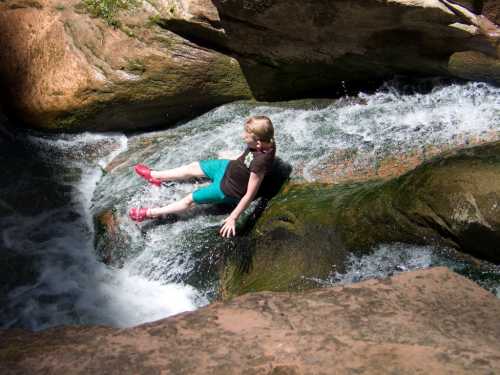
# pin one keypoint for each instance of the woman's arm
(229, 227)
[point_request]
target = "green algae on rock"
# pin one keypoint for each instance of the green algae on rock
(451, 200)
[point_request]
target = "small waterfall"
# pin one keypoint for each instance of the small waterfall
(72, 286)
(69, 285)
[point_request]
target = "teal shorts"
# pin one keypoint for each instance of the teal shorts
(214, 170)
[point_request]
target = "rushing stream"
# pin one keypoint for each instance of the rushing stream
(56, 184)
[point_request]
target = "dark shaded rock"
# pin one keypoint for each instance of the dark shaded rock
(326, 43)
(452, 200)
(474, 65)
(431, 321)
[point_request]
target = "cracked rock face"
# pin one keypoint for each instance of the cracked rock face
(162, 61)
(431, 321)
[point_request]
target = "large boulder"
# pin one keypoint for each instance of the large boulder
(78, 65)
(432, 322)
(64, 69)
(309, 229)
(325, 43)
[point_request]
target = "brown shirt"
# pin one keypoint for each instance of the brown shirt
(235, 181)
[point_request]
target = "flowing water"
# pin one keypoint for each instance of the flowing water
(54, 273)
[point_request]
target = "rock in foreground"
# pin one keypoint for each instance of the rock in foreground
(431, 321)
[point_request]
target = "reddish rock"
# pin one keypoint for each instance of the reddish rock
(161, 61)
(491, 9)
(431, 321)
(61, 68)
(353, 166)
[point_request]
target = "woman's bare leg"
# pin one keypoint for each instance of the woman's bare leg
(174, 208)
(181, 173)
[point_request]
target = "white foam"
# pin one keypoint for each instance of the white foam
(72, 286)
(384, 261)
(75, 288)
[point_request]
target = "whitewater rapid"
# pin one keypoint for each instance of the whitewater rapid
(73, 287)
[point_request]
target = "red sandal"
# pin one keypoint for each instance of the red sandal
(138, 214)
(145, 172)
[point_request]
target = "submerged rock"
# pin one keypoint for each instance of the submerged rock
(308, 229)
(354, 165)
(75, 66)
(430, 321)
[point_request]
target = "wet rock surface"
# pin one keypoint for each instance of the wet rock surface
(430, 321)
(352, 165)
(309, 229)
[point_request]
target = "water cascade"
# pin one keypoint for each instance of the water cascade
(158, 274)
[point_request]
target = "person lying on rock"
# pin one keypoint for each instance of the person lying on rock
(233, 181)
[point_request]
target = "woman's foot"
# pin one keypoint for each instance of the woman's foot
(145, 172)
(139, 214)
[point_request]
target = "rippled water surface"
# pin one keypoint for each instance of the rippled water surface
(68, 284)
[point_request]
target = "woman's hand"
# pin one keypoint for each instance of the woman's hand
(228, 228)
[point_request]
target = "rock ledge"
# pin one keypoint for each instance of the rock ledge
(431, 321)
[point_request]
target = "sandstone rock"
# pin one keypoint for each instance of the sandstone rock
(63, 69)
(163, 61)
(431, 321)
(308, 230)
(491, 9)
(325, 43)
(352, 165)
(474, 64)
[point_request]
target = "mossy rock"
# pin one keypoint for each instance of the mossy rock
(308, 229)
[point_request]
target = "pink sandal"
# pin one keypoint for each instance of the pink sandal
(138, 214)
(145, 172)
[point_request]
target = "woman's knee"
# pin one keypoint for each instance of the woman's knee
(195, 169)
(188, 201)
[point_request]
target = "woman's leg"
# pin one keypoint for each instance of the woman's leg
(174, 208)
(181, 173)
